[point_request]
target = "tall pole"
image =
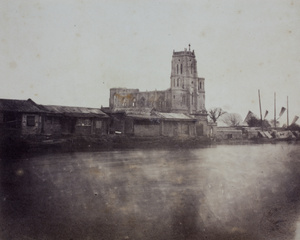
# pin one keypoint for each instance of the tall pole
(260, 109)
(275, 110)
(287, 111)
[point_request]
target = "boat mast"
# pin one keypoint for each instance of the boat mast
(260, 110)
(287, 111)
(275, 110)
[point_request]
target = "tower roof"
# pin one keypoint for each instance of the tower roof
(186, 52)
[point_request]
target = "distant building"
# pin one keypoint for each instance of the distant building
(20, 117)
(73, 120)
(149, 123)
(25, 117)
(186, 94)
(226, 133)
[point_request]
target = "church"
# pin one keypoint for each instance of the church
(185, 98)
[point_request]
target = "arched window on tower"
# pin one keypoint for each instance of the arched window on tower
(160, 103)
(191, 68)
(181, 68)
(183, 83)
(177, 68)
(178, 82)
(192, 98)
(115, 100)
(124, 103)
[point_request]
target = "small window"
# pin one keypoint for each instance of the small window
(177, 68)
(87, 122)
(174, 96)
(55, 120)
(181, 68)
(83, 122)
(30, 121)
(98, 124)
(48, 119)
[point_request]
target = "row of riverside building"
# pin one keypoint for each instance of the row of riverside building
(175, 112)
(27, 118)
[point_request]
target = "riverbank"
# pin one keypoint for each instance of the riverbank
(12, 146)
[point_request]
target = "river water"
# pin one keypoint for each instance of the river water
(219, 192)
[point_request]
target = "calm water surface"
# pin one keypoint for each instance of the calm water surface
(222, 192)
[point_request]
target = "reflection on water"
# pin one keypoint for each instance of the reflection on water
(224, 192)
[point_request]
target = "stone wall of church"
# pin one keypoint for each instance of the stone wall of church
(123, 98)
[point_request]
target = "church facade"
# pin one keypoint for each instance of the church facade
(186, 94)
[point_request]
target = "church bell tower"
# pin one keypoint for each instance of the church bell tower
(187, 89)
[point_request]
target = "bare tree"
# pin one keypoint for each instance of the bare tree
(215, 113)
(232, 119)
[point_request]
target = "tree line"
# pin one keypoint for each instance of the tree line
(235, 119)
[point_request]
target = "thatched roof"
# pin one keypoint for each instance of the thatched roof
(74, 111)
(13, 105)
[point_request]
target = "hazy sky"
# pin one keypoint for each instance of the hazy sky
(68, 52)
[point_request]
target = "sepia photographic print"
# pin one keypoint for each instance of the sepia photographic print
(149, 120)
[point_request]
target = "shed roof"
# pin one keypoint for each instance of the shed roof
(163, 116)
(74, 111)
(151, 113)
(175, 116)
(134, 111)
(14, 105)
